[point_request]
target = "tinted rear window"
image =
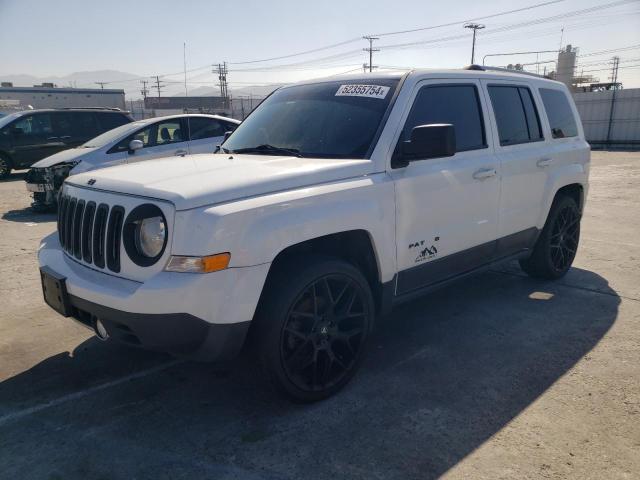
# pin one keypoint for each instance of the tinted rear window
(109, 120)
(516, 114)
(561, 119)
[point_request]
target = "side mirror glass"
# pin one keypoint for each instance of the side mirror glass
(429, 141)
(135, 145)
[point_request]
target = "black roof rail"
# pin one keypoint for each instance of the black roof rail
(113, 109)
(485, 68)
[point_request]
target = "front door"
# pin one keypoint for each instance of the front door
(165, 138)
(446, 208)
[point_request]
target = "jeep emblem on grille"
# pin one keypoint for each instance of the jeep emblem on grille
(91, 181)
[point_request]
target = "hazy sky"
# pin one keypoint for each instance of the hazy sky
(58, 37)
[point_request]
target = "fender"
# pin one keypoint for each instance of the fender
(573, 173)
(256, 230)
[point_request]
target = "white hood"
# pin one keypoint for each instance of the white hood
(206, 179)
(70, 155)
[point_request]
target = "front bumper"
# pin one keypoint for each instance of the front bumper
(199, 316)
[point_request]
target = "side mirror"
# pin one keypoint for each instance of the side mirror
(428, 141)
(135, 145)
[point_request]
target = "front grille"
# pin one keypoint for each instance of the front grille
(91, 233)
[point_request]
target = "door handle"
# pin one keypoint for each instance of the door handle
(544, 162)
(181, 153)
(484, 173)
(53, 138)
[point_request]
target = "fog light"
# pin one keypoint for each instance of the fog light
(101, 331)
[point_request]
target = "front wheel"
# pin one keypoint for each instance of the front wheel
(557, 244)
(313, 327)
(5, 167)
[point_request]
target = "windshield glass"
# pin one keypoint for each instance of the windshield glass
(9, 118)
(112, 135)
(337, 119)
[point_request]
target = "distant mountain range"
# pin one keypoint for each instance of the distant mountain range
(131, 85)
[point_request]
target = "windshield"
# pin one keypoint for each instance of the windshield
(337, 119)
(113, 135)
(9, 118)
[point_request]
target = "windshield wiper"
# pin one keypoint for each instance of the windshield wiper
(265, 148)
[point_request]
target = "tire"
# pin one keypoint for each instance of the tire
(5, 166)
(557, 244)
(312, 326)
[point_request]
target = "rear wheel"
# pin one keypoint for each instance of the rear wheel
(313, 327)
(5, 166)
(557, 244)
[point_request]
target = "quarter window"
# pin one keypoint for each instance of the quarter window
(561, 119)
(458, 105)
(516, 115)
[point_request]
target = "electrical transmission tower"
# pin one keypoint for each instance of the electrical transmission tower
(145, 90)
(370, 50)
(475, 27)
(158, 85)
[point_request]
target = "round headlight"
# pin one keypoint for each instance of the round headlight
(150, 236)
(145, 234)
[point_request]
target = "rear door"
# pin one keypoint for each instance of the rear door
(524, 161)
(75, 128)
(446, 208)
(205, 134)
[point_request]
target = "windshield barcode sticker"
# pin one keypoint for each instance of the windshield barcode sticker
(371, 91)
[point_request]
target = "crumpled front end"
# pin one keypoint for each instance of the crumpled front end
(45, 183)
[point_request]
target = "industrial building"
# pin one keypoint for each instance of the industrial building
(48, 95)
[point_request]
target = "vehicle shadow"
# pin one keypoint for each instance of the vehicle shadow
(15, 177)
(27, 215)
(443, 374)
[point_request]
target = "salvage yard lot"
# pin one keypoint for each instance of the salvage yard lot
(499, 376)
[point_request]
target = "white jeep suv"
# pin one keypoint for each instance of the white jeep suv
(332, 202)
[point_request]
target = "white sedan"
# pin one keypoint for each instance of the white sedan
(134, 142)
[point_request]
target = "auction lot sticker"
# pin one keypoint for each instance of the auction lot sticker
(370, 91)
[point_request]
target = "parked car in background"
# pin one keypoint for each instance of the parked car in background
(29, 136)
(134, 142)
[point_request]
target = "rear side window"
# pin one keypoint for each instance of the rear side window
(110, 120)
(458, 105)
(202, 127)
(516, 115)
(561, 119)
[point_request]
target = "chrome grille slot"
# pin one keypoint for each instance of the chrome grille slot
(77, 224)
(87, 231)
(68, 223)
(114, 234)
(99, 234)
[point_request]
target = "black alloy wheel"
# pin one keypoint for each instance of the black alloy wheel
(312, 326)
(323, 334)
(557, 244)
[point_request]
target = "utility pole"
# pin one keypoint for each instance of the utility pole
(371, 50)
(145, 90)
(475, 27)
(158, 86)
(184, 58)
(222, 72)
(614, 80)
(102, 84)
